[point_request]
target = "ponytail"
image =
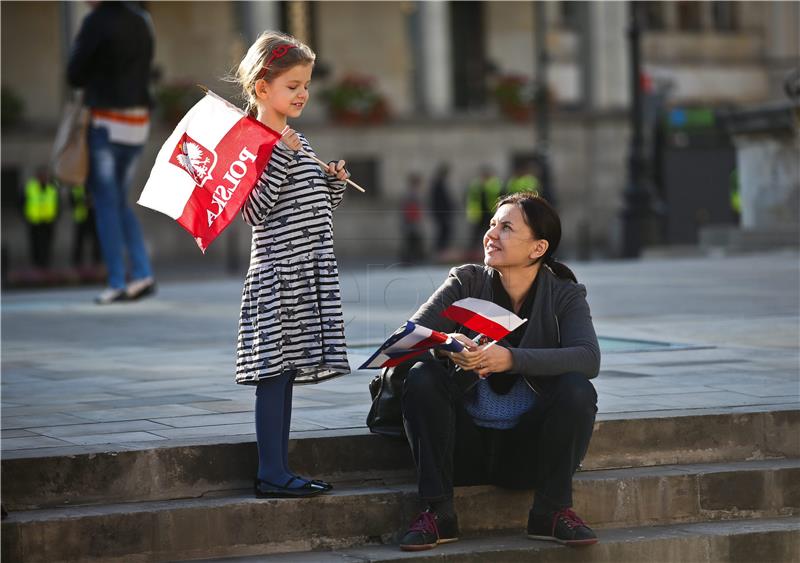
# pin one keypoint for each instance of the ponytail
(560, 270)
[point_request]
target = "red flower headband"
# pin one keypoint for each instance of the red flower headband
(277, 53)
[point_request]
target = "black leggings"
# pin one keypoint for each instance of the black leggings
(542, 451)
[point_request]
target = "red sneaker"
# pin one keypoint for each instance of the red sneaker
(429, 530)
(564, 527)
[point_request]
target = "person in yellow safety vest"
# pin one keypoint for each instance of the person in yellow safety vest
(41, 212)
(83, 219)
(482, 194)
(522, 180)
(735, 195)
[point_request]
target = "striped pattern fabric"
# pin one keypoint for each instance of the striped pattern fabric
(291, 316)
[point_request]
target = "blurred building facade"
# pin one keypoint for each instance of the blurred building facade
(439, 69)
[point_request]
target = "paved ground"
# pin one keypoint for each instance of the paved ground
(78, 377)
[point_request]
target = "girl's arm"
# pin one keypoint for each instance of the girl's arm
(336, 186)
(265, 193)
(579, 351)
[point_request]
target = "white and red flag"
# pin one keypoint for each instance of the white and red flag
(483, 317)
(409, 341)
(208, 166)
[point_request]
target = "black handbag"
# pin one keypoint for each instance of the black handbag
(385, 416)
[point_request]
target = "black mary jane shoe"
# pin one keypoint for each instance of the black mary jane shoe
(265, 489)
(319, 483)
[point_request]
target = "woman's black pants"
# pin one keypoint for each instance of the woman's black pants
(542, 451)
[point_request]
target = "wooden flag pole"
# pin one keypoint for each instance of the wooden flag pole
(324, 165)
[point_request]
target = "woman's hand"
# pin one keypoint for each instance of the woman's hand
(496, 359)
(337, 169)
(470, 357)
(291, 139)
(485, 360)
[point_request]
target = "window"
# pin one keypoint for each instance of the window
(12, 191)
(690, 16)
(652, 14)
(299, 19)
(469, 60)
(725, 16)
(570, 15)
(364, 172)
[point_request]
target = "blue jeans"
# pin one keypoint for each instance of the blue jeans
(111, 169)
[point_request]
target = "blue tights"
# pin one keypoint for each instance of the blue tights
(273, 418)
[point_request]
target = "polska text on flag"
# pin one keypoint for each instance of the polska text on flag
(409, 341)
(208, 166)
(483, 317)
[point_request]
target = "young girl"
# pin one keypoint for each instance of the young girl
(291, 328)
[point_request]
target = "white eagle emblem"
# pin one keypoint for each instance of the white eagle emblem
(194, 159)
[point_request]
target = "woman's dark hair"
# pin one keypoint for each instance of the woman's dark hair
(544, 223)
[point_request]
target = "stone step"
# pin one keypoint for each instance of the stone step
(236, 524)
(193, 469)
(745, 541)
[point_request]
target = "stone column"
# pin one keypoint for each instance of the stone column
(434, 57)
(256, 17)
(253, 18)
(608, 50)
(670, 12)
(706, 17)
(72, 14)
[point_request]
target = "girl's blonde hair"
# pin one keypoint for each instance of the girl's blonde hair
(253, 64)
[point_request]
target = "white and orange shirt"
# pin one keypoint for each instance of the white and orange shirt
(128, 126)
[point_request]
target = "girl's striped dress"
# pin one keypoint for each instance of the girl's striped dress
(291, 315)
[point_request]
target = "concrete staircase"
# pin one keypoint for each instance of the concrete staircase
(717, 486)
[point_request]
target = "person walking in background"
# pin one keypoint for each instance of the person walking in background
(111, 60)
(482, 194)
(441, 204)
(413, 248)
(84, 232)
(291, 328)
(522, 179)
(40, 209)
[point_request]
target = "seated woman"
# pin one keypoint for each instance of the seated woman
(518, 414)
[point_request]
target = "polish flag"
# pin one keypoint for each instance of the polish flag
(407, 342)
(483, 317)
(208, 166)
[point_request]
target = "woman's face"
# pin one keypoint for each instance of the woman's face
(510, 241)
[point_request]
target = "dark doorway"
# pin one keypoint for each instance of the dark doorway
(697, 175)
(469, 58)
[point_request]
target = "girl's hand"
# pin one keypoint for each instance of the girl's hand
(337, 169)
(495, 360)
(291, 139)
